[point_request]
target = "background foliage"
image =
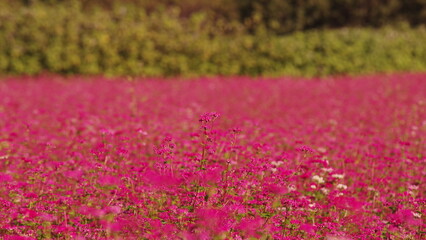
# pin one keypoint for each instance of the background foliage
(283, 16)
(75, 37)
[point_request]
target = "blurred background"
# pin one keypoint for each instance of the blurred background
(189, 38)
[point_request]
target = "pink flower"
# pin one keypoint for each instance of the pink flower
(209, 117)
(108, 180)
(308, 228)
(250, 227)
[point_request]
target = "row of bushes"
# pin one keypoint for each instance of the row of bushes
(66, 40)
(283, 16)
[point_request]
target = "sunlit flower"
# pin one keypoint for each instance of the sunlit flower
(277, 163)
(322, 149)
(339, 176)
(325, 191)
(291, 188)
(318, 179)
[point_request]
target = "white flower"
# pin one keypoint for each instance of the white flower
(417, 215)
(318, 179)
(274, 170)
(322, 149)
(329, 170)
(341, 186)
(291, 188)
(277, 163)
(340, 176)
(313, 186)
(325, 191)
(142, 132)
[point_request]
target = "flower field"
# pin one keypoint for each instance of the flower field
(218, 158)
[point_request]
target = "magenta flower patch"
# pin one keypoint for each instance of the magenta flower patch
(336, 159)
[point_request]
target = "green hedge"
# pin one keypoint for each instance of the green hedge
(126, 41)
(283, 16)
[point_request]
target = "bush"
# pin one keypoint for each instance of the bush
(127, 41)
(283, 16)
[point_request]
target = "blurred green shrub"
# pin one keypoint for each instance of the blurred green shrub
(281, 16)
(127, 41)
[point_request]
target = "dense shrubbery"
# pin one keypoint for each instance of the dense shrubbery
(286, 15)
(127, 41)
(289, 15)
